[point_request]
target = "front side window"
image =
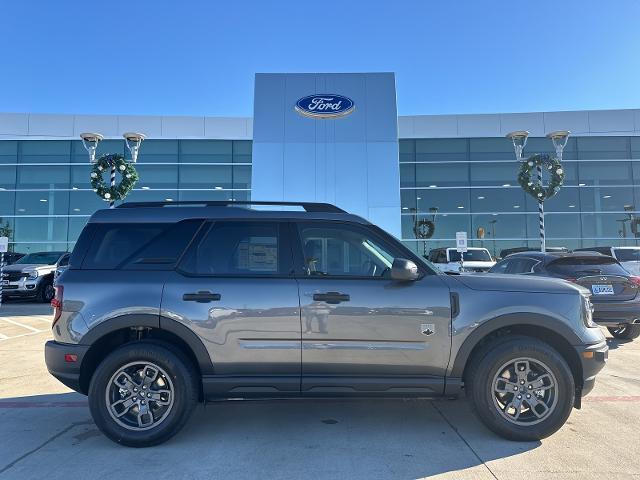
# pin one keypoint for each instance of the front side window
(345, 251)
(239, 249)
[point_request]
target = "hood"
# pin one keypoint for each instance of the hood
(27, 266)
(518, 283)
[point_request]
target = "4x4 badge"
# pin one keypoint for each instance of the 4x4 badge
(427, 329)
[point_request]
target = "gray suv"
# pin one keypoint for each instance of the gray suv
(167, 304)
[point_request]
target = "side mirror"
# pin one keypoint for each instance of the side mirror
(404, 270)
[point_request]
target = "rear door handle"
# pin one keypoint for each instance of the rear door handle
(331, 297)
(201, 297)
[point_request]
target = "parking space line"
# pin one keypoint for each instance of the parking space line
(28, 327)
(23, 335)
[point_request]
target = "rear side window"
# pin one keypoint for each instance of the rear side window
(139, 246)
(581, 267)
(239, 249)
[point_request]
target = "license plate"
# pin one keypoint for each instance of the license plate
(602, 289)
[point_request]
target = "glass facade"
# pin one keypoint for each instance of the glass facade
(460, 184)
(469, 184)
(46, 198)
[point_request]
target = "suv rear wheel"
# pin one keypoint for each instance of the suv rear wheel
(625, 332)
(521, 388)
(142, 394)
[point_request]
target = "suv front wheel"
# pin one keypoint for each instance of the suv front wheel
(521, 388)
(625, 332)
(142, 394)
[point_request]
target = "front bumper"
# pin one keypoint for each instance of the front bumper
(67, 372)
(22, 288)
(593, 358)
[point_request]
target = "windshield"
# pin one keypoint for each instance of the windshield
(480, 255)
(583, 267)
(627, 254)
(43, 258)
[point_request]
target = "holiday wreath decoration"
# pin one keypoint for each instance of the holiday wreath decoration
(424, 228)
(531, 186)
(128, 173)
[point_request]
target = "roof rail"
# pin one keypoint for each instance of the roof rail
(307, 206)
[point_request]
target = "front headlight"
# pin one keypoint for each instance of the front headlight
(587, 312)
(32, 274)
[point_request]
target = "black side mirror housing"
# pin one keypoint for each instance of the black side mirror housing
(404, 270)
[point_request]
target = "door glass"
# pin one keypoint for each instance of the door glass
(238, 248)
(345, 251)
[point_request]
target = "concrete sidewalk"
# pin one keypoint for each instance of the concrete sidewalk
(47, 432)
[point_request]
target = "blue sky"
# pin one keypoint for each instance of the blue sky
(199, 57)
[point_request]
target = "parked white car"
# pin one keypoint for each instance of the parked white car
(629, 257)
(448, 260)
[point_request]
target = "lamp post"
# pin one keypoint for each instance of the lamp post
(559, 139)
(133, 141)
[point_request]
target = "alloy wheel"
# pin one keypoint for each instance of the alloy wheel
(524, 391)
(139, 396)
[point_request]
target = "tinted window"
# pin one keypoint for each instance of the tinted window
(470, 256)
(139, 246)
(64, 261)
(521, 265)
(500, 267)
(345, 251)
(581, 267)
(239, 248)
(627, 254)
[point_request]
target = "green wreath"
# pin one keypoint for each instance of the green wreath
(530, 185)
(424, 229)
(128, 173)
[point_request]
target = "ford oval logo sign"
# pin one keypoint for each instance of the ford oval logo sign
(324, 106)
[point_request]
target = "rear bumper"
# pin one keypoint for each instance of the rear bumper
(609, 315)
(593, 358)
(65, 371)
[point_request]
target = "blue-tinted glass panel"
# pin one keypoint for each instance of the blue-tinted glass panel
(606, 199)
(496, 226)
(557, 225)
(52, 229)
(605, 173)
(606, 225)
(206, 176)
(502, 199)
(241, 176)
(43, 176)
(442, 174)
(7, 177)
(42, 203)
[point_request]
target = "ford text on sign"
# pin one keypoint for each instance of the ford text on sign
(324, 106)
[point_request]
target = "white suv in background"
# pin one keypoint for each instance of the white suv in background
(448, 260)
(629, 257)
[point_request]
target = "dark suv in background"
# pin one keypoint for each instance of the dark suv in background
(165, 304)
(615, 292)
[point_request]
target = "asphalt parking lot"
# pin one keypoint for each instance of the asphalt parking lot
(46, 431)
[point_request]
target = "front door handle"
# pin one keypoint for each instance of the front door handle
(331, 297)
(202, 296)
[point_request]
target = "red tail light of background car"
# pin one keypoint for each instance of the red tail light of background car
(56, 303)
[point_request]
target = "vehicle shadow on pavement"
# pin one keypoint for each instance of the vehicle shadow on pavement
(332, 438)
(23, 308)
(615, 343)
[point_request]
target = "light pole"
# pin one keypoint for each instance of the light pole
(559, 139)
(133, 141)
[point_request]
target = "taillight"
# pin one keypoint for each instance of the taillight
(56, 303)
(635, 280)
(571, 279)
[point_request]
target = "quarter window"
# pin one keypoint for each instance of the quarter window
(239, 249)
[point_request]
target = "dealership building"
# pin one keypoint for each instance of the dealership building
(335, 138)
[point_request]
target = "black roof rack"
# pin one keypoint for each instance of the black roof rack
(307, 206)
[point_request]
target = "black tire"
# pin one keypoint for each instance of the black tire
(183, 380)
(479, 383)
(46, 292)
(625, 332)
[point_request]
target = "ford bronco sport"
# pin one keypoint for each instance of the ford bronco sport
(167, 304)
